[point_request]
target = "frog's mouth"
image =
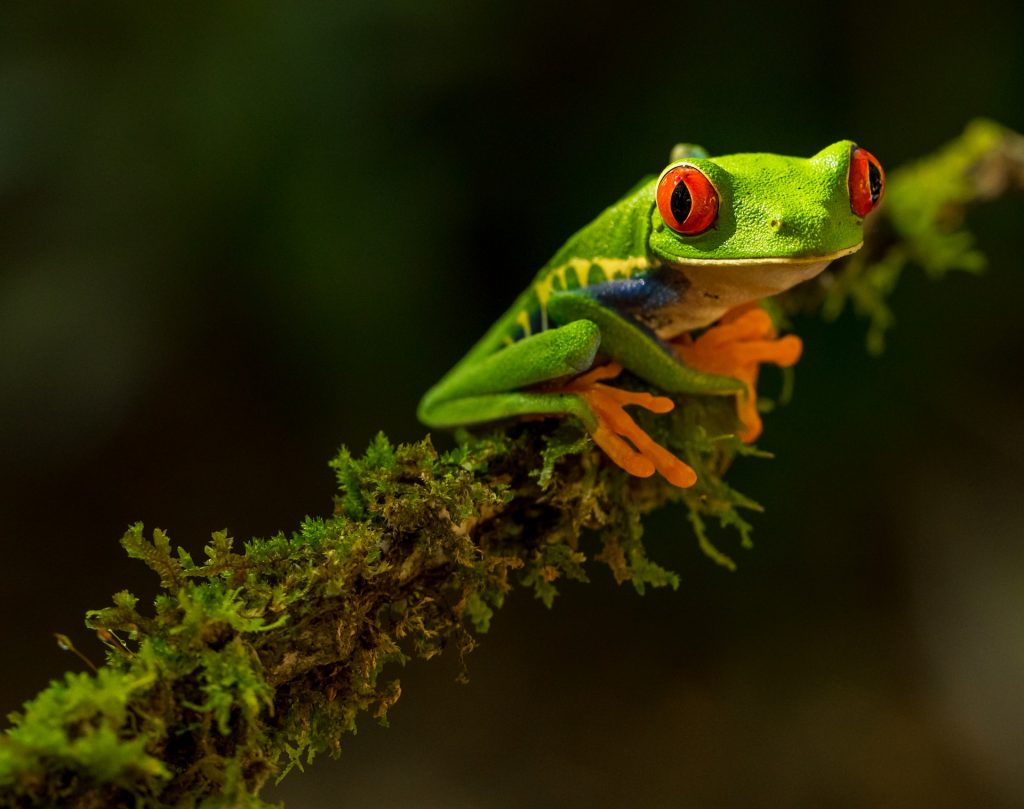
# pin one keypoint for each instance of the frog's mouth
(776, 260)
(714, 286)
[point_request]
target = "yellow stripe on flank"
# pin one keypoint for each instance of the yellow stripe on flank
(508, 340)
(613, 268)
(523, 319)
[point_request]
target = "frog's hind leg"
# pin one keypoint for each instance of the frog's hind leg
(496, 406)
(549, 365)
(737, 346)
(615, 425)
(543, 357)
(599, 407)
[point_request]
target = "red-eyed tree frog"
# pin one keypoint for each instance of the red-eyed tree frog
(666, 283)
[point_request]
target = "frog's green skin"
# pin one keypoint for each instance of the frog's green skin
(627, 282)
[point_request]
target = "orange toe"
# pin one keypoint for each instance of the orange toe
(737, 346)
(622, 439)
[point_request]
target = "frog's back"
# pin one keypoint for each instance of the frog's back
(619, 233)
(612, 247)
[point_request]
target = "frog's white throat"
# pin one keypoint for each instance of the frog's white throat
(714, 287)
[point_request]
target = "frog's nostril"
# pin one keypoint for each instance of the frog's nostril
(805, 223)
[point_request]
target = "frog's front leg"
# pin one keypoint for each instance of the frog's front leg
(725, 359)
(637, 348)
(736, 346)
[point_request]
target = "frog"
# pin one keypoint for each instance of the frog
(668, 284)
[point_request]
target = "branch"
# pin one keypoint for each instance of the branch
(260, 657)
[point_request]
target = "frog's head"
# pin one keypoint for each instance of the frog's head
(764, 208)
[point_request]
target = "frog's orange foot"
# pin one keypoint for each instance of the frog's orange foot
(736, 346)
(614, 425)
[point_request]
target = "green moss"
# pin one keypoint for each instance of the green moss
(258, 659)
(920, 223)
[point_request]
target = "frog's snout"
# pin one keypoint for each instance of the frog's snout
(803, 224)
(787, 224)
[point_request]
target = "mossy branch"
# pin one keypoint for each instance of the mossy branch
(260, 657)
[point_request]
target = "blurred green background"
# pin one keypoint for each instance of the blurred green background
(234, 236)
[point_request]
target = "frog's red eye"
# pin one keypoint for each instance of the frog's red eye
(687, 201)
(867, 181)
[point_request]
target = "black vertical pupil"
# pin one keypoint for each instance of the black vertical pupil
(681, 202)
(874, 181)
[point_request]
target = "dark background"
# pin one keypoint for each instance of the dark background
(233, 238)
